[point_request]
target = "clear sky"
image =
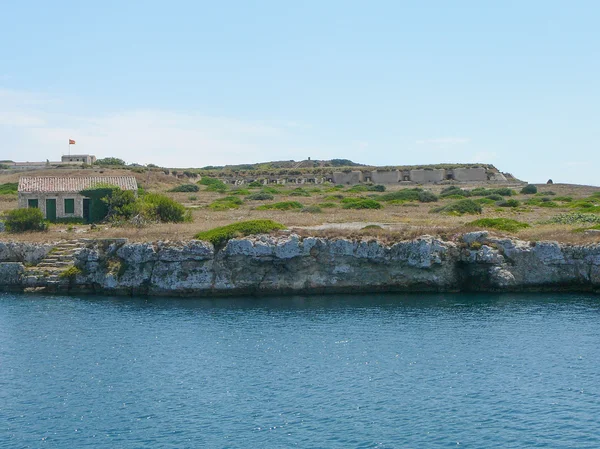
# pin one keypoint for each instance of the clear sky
(194, 83)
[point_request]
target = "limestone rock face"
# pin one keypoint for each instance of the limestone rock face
(291, 264)
(30, 253)
(11, 273)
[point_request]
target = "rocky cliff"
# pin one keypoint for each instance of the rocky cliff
(290, 264)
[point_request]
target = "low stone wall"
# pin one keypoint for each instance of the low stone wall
(292, 265)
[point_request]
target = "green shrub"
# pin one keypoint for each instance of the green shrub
(226, 203)
(460, 207)
(70, 273)
(372, 227)
(454, 191)
(427, 197)
(502, 224)
(255, 184)
(260, 196)
(213, 184)
(312, 210)
(272, 190)
(495, 197)
(162, 208)
(508, 203)
(529, 189)
(366, 188)
(299, 192)
(185, 188)
(21, 220)
(575, 218)
(360, 203)
(192, 198)
(283, 205)
(9, 188)
(402, 195)
(502, 191)
(334, 197)
(328, 205)
(220, 236)
(240, 192)
(564, 199)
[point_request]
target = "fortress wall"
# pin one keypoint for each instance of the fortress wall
(385, 177)
(470, 174)
(351, 178)
(423, 176)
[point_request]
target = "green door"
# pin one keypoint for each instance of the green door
(51, 209)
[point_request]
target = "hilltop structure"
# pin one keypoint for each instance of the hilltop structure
(375, 175)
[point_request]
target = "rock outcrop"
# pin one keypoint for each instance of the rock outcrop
(290, 264)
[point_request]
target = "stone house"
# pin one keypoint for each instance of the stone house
(60, 197)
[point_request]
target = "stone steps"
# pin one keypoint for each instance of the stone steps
(48, 271)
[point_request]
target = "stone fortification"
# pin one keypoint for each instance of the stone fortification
(290, 265)
(380, 176)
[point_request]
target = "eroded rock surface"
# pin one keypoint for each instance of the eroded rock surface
(291, 264)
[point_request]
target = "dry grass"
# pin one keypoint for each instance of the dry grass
(400, 221)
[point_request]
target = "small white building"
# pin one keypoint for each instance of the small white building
(60, 197)
(88, 159)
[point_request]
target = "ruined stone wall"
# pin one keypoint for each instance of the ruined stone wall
(350, 178)
(426, 176)
(469, 174)
(385, 177)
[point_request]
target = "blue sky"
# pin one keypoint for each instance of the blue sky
(191, 83)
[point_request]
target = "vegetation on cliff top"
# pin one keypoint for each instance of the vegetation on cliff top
(501, 224)
(219, 236)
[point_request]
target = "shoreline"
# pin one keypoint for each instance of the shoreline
(291, 265)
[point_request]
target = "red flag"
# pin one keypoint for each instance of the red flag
(71, 142)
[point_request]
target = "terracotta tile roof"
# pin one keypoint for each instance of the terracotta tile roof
(73, 184)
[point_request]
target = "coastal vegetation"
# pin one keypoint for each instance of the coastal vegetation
(219, 236)
(553, 212)
(21, 220)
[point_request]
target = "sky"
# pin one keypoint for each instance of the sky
(194, 83)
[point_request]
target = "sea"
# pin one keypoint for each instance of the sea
(364, 371)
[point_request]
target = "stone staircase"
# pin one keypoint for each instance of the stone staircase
(47, 272)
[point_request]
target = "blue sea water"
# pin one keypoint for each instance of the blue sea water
(369, 371)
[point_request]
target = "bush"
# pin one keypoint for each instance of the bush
(255, 184)
(575, 218)
(427, 197)
(110, 161)
(529, 189)
(327, 205)
(272, 190)
(260, 196)
(460, 207)
(454, 191)
(229, 202)
(299, 192)
(213, 184)
(312, 210)
(220, 236)
(360, 203)
(402, 195)
(240, 192)
(162, 208)
(185, 188)
(21, 220)
(283, 205)
(9, 188)
(508, 203)
(495, 197)
(502, 224)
